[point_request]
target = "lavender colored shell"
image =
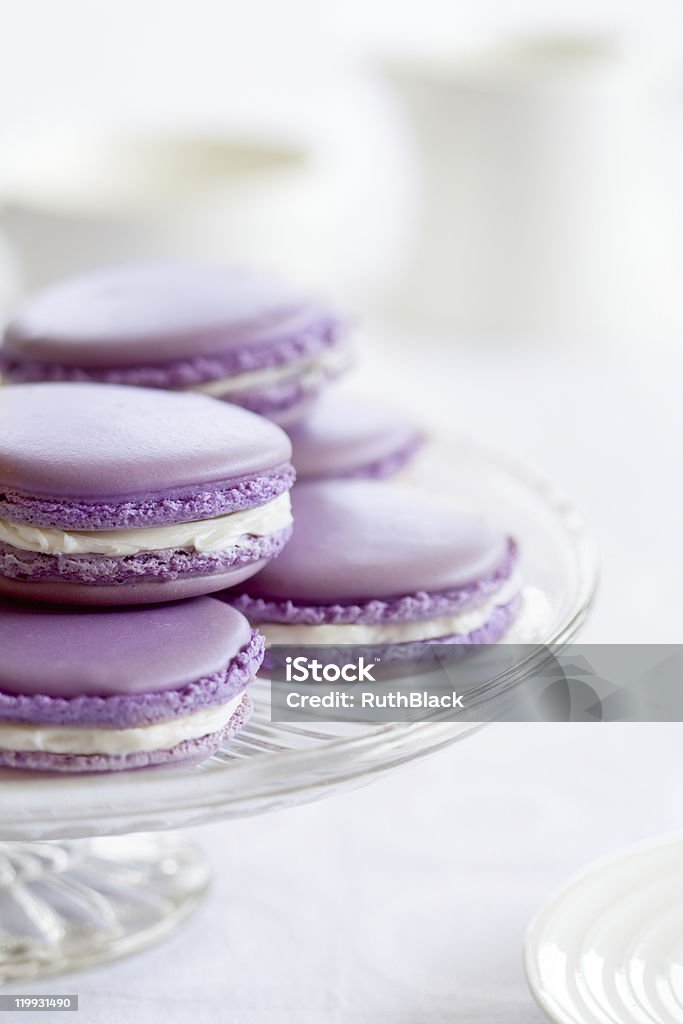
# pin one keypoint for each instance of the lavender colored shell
(69, 652)
(145, 578)
(187, 752)
(356, 542)
(172, 325)
(340, 437)
(88, 456)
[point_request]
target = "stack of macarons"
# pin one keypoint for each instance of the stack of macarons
(242, 337)
(127, 502)
(152, 420)
(104, 689)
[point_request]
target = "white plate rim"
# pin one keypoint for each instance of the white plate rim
(542, 997)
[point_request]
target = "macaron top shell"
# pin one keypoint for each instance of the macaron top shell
(358, 540)
(88, 440)
(340, 437)
(68, 652)
(149, 313)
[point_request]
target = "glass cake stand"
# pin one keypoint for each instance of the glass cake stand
(86, 873)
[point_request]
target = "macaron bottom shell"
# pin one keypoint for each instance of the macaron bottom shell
(187, 752)
(146, 578)
(393, 657)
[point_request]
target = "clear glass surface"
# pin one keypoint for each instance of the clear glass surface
(270, 765)
(69, 905)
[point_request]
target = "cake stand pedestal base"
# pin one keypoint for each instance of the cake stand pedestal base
(68, 905)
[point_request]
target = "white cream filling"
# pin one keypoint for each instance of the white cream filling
(459, 624)
(217, 534)
(307, 371)
(59, 739)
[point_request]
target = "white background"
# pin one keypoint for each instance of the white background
(405, 902)
(79, 53)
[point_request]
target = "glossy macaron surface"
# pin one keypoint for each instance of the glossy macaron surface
(143, 314)
(89, 441)
(357, 540)
(67, 652)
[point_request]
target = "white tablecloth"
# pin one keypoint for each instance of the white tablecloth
(406, 902)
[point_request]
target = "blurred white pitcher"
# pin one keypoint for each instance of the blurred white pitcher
(549, 200)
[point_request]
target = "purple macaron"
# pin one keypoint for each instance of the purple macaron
(107, 689)
(241, 336)
(340, 437)
(374, 563)
(117, 495)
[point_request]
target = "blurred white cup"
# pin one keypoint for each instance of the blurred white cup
(547, 199)
(73, 201)
(74, 198)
